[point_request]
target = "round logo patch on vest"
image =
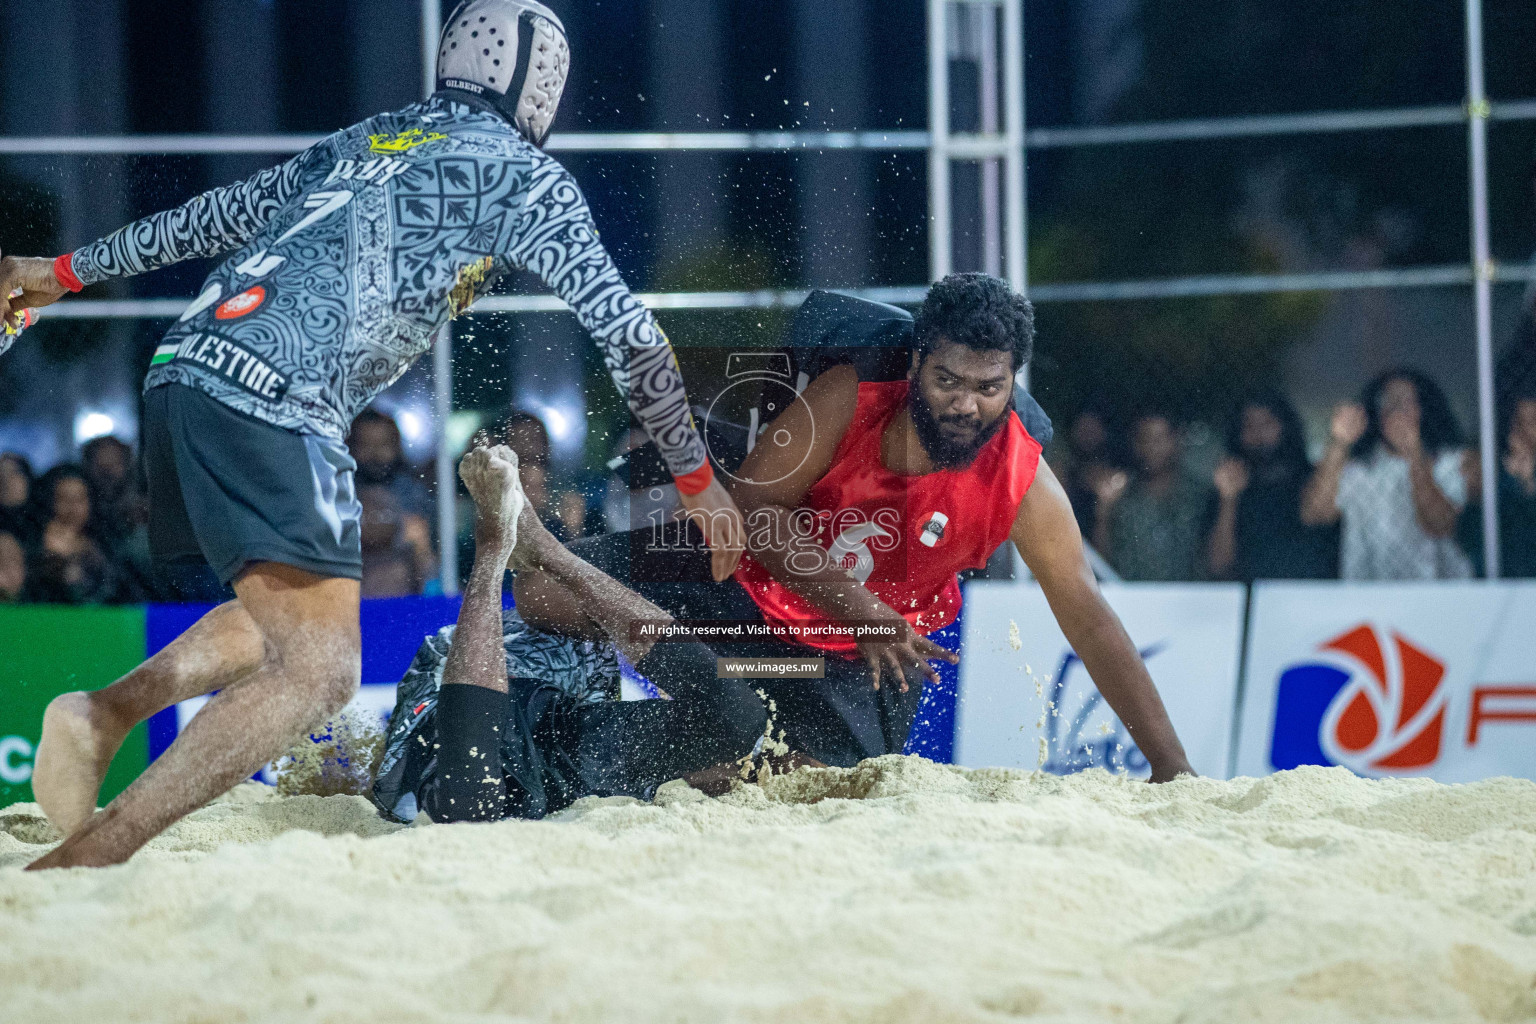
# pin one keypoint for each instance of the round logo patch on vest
(240, 305)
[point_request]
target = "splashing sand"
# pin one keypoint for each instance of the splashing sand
(339, 759)
(897, 891)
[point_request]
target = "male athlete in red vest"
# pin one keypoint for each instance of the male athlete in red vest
(863, 501)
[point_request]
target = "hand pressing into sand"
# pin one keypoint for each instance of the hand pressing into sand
(1170, 769)
(909, 650)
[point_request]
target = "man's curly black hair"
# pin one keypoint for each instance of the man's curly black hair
(980, 312)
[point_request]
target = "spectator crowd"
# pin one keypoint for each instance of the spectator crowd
(78, 533)
(1395, 496)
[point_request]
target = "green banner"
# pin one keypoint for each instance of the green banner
(46, 651)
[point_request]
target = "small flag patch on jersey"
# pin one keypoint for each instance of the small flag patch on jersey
(229, 360)
(933, 530)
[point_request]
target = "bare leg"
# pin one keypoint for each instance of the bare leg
(472, 703)
(310, 666)
(546, 604)
(477, 657)
(567, 595)
(83, 731)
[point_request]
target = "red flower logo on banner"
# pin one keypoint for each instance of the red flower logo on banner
(1390, 716)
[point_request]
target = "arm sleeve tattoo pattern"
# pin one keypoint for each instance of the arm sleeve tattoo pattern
(558, 241)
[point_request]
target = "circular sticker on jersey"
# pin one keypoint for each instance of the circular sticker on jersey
(933, 529)
(245, 303)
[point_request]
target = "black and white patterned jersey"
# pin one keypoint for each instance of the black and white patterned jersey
(345, 261)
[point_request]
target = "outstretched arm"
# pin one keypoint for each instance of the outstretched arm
(214, 222)
(558, 241)
(1046, 535)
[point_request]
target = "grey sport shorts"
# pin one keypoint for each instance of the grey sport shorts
(230, 490)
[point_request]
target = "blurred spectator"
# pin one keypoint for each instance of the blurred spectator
(526, 435)
(119, 513)
(13, 569)
(1258, 533)
(397, 545)
(108, 467)
(1517, 492)
(1393, 475)
(564, 511)
(1088, 466)
(68, 565)
(18, 513)
(375, 444)
(1152, 526)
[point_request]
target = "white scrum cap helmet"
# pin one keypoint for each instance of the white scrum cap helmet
(512, 53)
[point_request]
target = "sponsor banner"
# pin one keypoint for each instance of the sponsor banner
(1431, 679)
(933, 729)
(51, 650)
(1026, 701)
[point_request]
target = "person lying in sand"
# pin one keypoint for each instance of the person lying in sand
(496, 719)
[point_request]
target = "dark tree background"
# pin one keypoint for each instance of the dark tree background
(1281, 204)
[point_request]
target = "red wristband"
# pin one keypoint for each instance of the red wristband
(64, 270)
(695, 482)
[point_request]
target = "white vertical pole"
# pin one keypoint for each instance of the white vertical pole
(431, 29)
(442, 353)
(1014, 167)
(992, 199)
(447, 490)
(1013, 127)
(940, 231)
(1482, 270)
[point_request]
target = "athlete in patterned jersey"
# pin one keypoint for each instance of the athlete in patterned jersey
(340, 266)
(868, 501)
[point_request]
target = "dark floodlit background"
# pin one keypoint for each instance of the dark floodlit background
(706, 222)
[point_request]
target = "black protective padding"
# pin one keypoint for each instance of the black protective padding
(470, 782)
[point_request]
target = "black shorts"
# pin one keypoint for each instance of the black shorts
(839, 720)
(229, 490)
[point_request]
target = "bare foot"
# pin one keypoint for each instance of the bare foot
(535, 544)
(490, 475)
(72, 758)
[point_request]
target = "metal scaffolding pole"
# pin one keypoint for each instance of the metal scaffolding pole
(940, 230)
(442, 354)
(1482, 284)
(1015, 129)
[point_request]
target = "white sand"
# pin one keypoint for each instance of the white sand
(898, 892)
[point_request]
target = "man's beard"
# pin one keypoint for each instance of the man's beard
(947, 454)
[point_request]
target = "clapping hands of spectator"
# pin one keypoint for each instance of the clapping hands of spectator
(1110, 488)
(1348, 424)
(1231, 478)
(1520, 462)
(417, 536)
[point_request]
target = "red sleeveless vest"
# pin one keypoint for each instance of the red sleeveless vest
(903, 537)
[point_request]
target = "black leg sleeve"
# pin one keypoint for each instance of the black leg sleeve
(686, 671)
(632, 747)
(470, 785)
